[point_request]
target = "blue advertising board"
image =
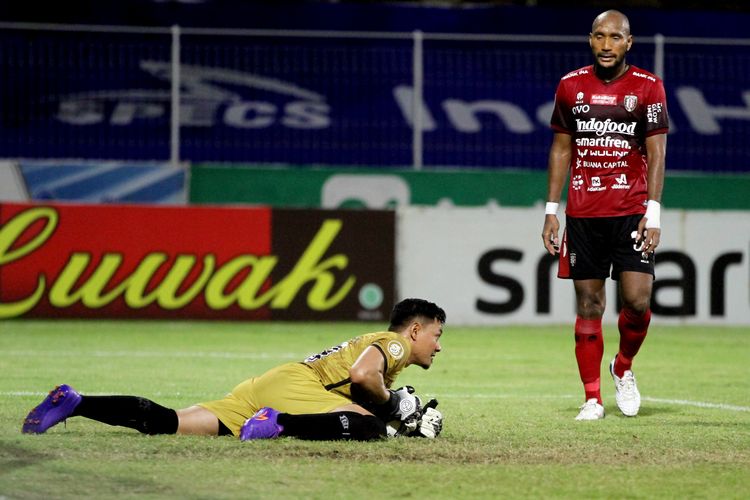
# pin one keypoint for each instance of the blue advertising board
(336, 100)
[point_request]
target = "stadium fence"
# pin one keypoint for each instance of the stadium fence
(338, 98)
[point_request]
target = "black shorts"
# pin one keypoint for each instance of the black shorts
(592, 246)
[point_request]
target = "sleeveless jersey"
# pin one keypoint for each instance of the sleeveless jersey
(332, 365)
(608, 124)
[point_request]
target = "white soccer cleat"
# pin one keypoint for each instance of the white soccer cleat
(626, 392)
(591, 410)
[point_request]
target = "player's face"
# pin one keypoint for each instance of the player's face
(609, 42)
(427, 343)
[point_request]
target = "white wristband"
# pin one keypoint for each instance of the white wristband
(551, 208)
(653, 215)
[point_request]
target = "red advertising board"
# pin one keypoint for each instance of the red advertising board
(196, 262)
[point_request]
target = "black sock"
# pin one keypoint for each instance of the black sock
(332, 426)
(129, 411)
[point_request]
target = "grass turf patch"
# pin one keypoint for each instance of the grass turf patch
(509, 396)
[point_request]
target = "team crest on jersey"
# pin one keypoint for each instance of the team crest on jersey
(396, 349)
(631, 101)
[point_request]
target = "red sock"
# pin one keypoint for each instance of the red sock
(589, 352)
(633, 328)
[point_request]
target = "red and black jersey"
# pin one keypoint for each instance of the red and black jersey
(608, 124)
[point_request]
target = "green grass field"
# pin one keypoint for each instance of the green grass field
(509, 396)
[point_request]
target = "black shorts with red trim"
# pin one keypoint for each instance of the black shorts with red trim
(599, 247)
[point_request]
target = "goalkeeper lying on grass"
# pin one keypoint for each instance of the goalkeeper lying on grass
(342, 393)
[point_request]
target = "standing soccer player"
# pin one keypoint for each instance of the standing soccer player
(610, 124)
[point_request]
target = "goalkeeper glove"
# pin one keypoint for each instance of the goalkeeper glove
(402, 405)
(430, 425)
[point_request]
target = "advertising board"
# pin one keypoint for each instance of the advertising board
(487, 266)
(209, 263)
(337, 101)
(390, 188)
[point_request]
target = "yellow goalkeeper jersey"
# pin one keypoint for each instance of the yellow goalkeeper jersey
(332, 365)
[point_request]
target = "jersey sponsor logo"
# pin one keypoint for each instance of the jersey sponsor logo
(575, 73)
(596, 185)
(585, 152)
(630, 102)
(579, 98)
(607, 126)
(577, 182)
(653, 111)
(604, 99)
(581, 108)
(643, 75)
(603, 142)
(621, 182)
(602, 164)
(396, 349)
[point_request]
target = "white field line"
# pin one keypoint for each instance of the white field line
(677, 402)
(699, 404)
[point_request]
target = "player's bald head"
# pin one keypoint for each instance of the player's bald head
(614, 17)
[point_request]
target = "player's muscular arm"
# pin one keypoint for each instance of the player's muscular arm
(366, 375)
(558, 164)
(656, 148)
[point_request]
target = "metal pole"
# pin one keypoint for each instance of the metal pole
(659, 55)
(174, 137)
(416, 105)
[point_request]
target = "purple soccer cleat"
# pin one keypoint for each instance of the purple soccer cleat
(56, 407)
(262, 425)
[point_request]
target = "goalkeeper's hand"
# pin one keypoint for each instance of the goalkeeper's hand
(403, 405)
(430, 425)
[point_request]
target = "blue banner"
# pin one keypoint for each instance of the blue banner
(337, 101)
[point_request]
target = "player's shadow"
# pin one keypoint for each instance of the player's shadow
(652, 411)
(645, 411)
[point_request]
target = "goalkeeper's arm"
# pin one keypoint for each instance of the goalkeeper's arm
(366, 374)
(369, 390)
